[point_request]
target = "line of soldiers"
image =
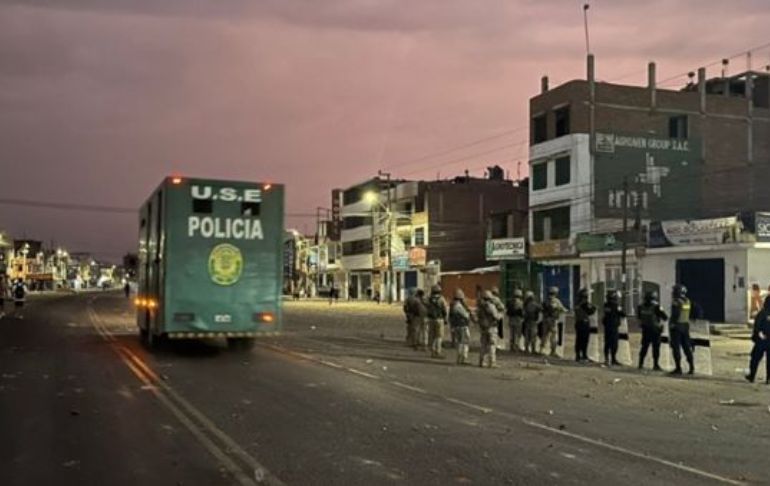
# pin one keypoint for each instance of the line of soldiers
(529, 321)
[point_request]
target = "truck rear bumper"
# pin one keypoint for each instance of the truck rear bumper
(224, 334)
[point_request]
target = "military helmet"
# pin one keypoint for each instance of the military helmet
(679, 290)
(517, 293)
(529, 294)
(419, 292)
(486, 295)
(459, 294)
(436, 289)
(553, 291)
(495, 291)
(613, 295)
(583, 293)
(651, 296)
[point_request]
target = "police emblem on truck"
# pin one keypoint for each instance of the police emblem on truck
(225, 264)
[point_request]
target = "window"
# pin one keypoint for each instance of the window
(351, 196)
(358, 247)
(562, 121)
(351, 222)
(539, 176)
(419, 203)
(204, 206)
(551, 224)
(419, 236)
(614, 281)
(562, 171)
(677, 126)
(498, 226)
(539, 129)
(250, 208)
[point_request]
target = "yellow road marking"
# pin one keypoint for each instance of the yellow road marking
(186, 412)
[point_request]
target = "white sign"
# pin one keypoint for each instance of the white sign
(227, 194)
(700, 232)
(224, 228)
(506, 249)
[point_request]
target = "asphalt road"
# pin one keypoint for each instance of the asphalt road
(339, 400)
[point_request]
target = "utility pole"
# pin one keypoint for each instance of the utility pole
(623, 275)
(389, 236)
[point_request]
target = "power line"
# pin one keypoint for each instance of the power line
(65, 206)
(454, 149)
(467, 157)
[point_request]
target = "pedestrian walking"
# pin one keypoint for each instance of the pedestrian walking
(679, 329)
(460, 318)
(515, 310)
(532, 312)
(498, 303)
(651, 318)
(583, 312)
(19, 293)
(488, 315)
(613, 313)
(761, 338)
(415, 312)
(553, 309)
(437, 314)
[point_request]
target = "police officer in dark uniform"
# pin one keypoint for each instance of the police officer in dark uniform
(761, 338)
(651, 318)
(613, 313)
(679, 329)
(583, 312)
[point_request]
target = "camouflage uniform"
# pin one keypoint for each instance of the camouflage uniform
(437, 314)
(552, 312)
(460, 318)
(488, 317)
(531, 318)
(415, 311)
(515, 311)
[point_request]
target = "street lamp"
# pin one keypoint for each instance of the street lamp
(373, 198)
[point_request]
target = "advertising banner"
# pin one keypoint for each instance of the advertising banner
(506, 249)
(417, 256)
(716, 231)
(662, 175)
(762, 222)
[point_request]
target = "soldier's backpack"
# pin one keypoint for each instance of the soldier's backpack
(18, 292)
(434, 307)
(456, 319)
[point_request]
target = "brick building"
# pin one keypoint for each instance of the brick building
(662, 158)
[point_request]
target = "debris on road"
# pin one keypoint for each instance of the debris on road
(727, 402)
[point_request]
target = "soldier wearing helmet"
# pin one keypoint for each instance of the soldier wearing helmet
(553, 309)
(583, 312)
(437, 315)
(679, 329)
(501, 311)
(416, 311)
(515, 311)
(613, 314)
(651, 318)
(488, 315)
(460, 318)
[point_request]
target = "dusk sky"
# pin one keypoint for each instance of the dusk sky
(100, 99)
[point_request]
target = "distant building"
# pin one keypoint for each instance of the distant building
(663, 158)
(417, 230)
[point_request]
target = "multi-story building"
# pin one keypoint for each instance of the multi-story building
(414, 230)
(672, 167)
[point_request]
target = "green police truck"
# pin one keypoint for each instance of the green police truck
(210, 261)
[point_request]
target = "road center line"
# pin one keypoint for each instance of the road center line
(167, 396)
(363, 373)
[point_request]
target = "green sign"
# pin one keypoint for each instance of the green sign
(225, 264)
(662, 173)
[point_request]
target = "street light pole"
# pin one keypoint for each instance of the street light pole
(390, 236)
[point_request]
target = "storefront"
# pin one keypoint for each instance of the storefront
(557, 266)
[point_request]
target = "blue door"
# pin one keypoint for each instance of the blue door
(558, 276)
(410, 279)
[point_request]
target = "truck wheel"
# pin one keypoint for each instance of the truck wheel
(240, 343)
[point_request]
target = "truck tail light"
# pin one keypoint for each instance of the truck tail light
(266, 317)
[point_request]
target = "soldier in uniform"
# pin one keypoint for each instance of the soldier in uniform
(437, 315)
(531, 317)
(679, 329)
(460, 318)
(553, 309)
(515, 311)
(488, 315)
(583, 312)
(761, 337)
(613, 313)
(501, 312)
(415, 311)
(651, 318)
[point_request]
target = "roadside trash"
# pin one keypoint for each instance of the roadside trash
(727, 402)
(369, 361)
(616, 380)
(714, 428)
(312, 328)
(550, 412)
